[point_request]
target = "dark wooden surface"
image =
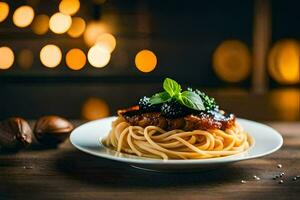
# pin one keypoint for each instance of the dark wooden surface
(66, 173)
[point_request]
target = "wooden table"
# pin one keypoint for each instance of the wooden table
(66, 173)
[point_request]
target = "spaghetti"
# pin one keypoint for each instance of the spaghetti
(154, 142)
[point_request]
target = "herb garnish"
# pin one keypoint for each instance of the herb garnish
(173, 90)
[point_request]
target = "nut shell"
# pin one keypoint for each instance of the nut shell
(52, 130)
(15, 134)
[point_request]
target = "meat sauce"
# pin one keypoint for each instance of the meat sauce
(202, 120)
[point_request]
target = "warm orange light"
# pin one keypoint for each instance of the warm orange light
(25, 58)
(23, 16)
(60, 23)
(77, 27)
(50, 55)
(106, 41)
(40, 24)
(6, 57)
(231, 61)
(286, 103)
(94, 108)
(283, 62)
(98, 57)
(145, 61)
(92, 31)
(75, 59)
(69, 7)
(288, 62)
(4, 10)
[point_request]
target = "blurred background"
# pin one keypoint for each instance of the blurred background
(86, 59)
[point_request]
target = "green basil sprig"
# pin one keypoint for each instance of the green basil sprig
(160, 98)
(171, 87)
(173, 90)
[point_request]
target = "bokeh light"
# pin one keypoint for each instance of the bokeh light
(286, 102)
(92, 31)
(6, 57)
(75, 59)
(69, 7)
(25, 58)
(145, 61)
(23, 16)
(4, 10)
(50, 55)
(98, 57)
(40, 24)
(60, 23)
(77, 28)
(231, 61)
(284, 63)
(94, 108)
(107, 41)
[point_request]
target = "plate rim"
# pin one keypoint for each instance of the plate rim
(226, 159)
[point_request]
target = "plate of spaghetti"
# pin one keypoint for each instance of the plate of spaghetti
(176, 129)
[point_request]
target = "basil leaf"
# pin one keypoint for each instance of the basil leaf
(160, 98)
(191, 100)
(171, 87)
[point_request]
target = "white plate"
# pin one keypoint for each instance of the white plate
(88, 137)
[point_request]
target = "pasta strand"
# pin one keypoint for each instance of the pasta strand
(154, 142)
